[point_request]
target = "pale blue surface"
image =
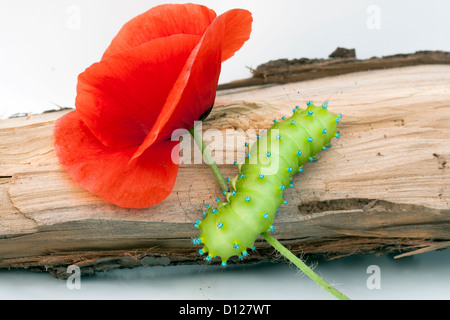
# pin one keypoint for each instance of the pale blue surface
(45, 44)
(425, 276)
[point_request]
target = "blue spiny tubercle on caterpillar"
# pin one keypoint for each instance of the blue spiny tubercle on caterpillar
(258, 189)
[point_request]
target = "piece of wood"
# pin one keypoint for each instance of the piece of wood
(341, 61)
(383, 187)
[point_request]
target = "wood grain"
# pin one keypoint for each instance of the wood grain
(383, 187)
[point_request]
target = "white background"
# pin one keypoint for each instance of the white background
(45, 44)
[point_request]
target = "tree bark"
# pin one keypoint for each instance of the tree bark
(341, 61)
(384, 186)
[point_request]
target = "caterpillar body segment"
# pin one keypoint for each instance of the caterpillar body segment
(257, 191)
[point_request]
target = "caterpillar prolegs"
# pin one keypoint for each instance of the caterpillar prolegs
(258, 189)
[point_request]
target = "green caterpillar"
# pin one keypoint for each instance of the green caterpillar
(233, 226)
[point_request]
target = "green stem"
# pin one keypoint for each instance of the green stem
(278, 246)
(208, 159)
(303, 267)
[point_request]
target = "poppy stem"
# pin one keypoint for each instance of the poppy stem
(303, 267)
(275, 244)
(208, 158)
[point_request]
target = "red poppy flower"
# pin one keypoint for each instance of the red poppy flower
(159, 74)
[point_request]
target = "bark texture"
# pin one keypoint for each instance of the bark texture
(384, 186)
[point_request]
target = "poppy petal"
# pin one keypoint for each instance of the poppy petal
(238, 27)
(161, 21)
(105, 171)
(120, 97)
(194, 91)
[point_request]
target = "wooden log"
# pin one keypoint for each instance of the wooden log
(383, 187)
(341, 61)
